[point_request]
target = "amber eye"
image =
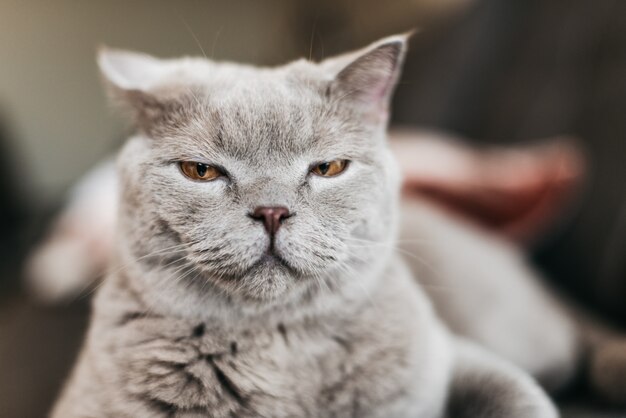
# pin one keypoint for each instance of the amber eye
(199, 171)
(330, 168)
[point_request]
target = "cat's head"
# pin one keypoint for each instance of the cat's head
(258, 182)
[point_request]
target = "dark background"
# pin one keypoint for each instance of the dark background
(492, 71)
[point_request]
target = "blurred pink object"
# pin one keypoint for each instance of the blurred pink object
(76, 250)
(517, 191)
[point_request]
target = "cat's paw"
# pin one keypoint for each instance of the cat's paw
(498, 397)
(608, 371)
(486, 386)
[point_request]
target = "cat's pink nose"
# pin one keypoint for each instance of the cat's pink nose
(272, 217)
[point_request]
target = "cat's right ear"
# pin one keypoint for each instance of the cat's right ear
(132, 81)
(128, 71)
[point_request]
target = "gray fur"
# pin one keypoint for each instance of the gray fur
(194, 319)
(491, 296)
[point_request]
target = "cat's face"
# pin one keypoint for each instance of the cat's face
(267, 181)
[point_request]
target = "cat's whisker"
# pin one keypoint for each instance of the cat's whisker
(436, 273)
(443, 288)
(88, 288)
(350, 270)
(193, 34)
(393, 246)
(323, 282)
(217, 37)
(312, 38)
(161, 252)
(176, 279)
(388, 242)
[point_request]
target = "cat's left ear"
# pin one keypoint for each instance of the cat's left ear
(367, 78)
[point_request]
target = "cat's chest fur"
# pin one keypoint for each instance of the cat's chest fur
(280, 373)
(365, 365)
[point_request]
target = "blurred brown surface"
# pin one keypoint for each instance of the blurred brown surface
(37, 348)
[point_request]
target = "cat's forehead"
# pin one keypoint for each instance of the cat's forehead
(261, 114)
(263, 93)
(267, 106)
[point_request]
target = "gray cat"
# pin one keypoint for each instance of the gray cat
(251, 275)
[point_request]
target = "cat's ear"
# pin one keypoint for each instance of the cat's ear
(126, 70)
(133, 81)
(367, 78)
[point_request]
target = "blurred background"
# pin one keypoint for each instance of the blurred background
(491, 71)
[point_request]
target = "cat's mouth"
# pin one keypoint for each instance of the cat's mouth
(271, 258)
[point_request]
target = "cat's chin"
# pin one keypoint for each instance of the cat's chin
(270, 278)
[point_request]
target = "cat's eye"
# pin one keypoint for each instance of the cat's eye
(330, 168)
(199, 171)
